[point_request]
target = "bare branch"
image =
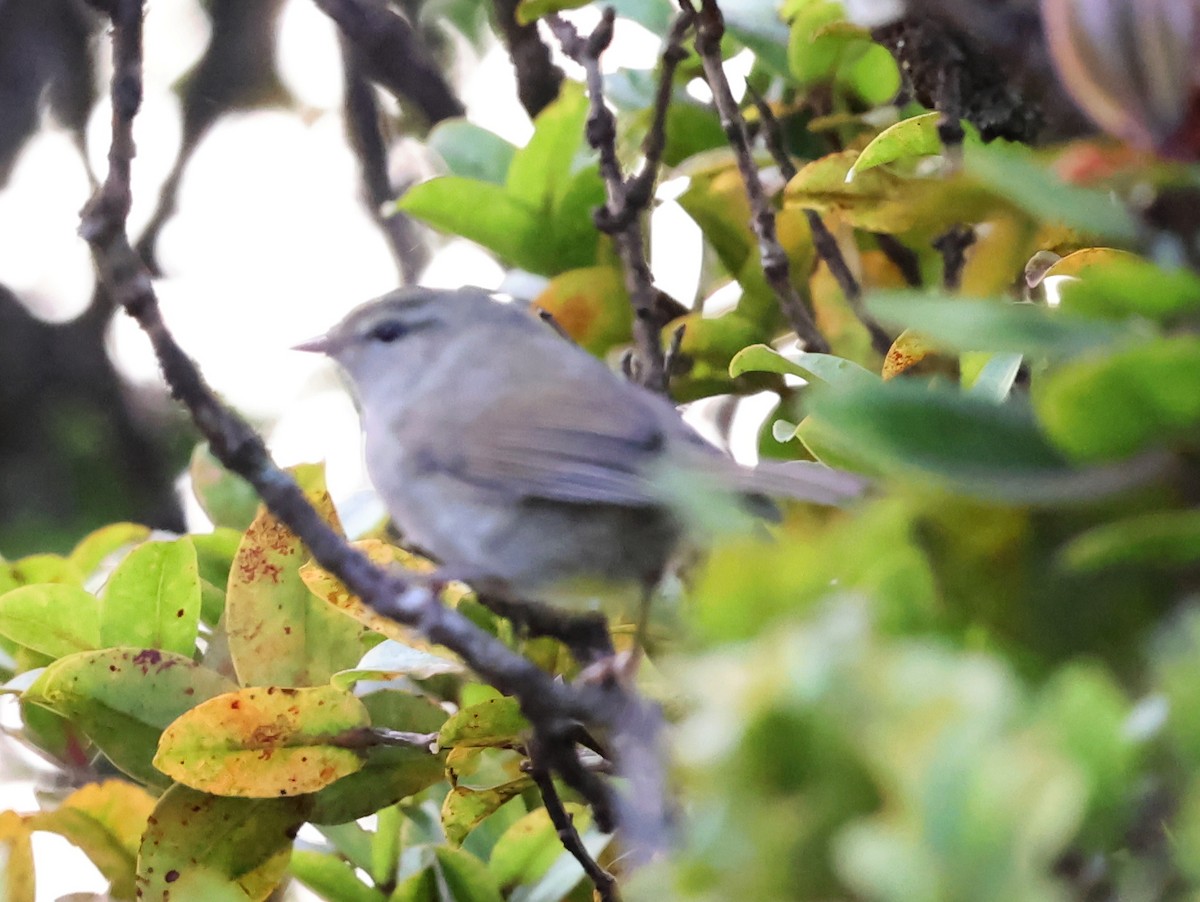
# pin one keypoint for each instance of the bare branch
(605, 883)
(364, 128)
(392, 55)
(538, 79)
(628, 199)
(710, 27)
(902, 257)
(824, 242)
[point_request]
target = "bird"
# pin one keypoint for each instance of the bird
(525, 465)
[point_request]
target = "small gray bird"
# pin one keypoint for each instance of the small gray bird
(522, 462)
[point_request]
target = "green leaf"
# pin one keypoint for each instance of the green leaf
(331, 877)
(528, 848)
(471, 151)
(152, 599)
(484, 213)
(819, 367)
(451, 875)
(818, 39)
(495, 723)
(965, 443)
(531, 10)
(1011, 172)
(572, 230)
(40, 568)
(1087, 715)
(201, 846)
(961, 324)
(907, 139)
(264, 742)
(464, 809)
(96, 546)
(54, 619)
(1106, 408)
(995, 379)
(123, 698)
(756, 25)
(1165, 539)
(541, 170)
(226, 498)
(872, 73)
(1117, 284)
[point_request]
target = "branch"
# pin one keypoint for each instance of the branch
(952, 245)
(554, 709)
(392, 55)
(365, 133)
(824, 243)
(902, 257)
(605, 883)
(620, 217)
(710, 28)
(538, 79)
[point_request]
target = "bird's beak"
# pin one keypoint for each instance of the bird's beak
(321, 344)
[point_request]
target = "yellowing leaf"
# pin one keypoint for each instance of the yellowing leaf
(16, 853)
(326, 586)
(123, 698)
(591, 305)
(263, 742)
(463, 809)
(106, 820)
(279, 635)
(203, 847)
(912, 355)
(495, 723)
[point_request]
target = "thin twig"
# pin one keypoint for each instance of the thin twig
(673, 359)
(605, 883)
(373, 737)
(824, 243)
(553, 708)
(710, 28)
(621, 216)
(903, 258)
(393, 55)
(952, 245)
(364, 128)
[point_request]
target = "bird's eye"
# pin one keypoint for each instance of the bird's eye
(388, 330)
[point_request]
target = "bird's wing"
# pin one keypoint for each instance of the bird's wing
(605, 445)
(558, 444)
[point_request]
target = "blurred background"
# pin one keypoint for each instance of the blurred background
(252, 205)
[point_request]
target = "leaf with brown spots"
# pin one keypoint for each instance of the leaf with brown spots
(123, 698)
(200, 846)
(279, 635)
(264, 742)
(325, 585)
